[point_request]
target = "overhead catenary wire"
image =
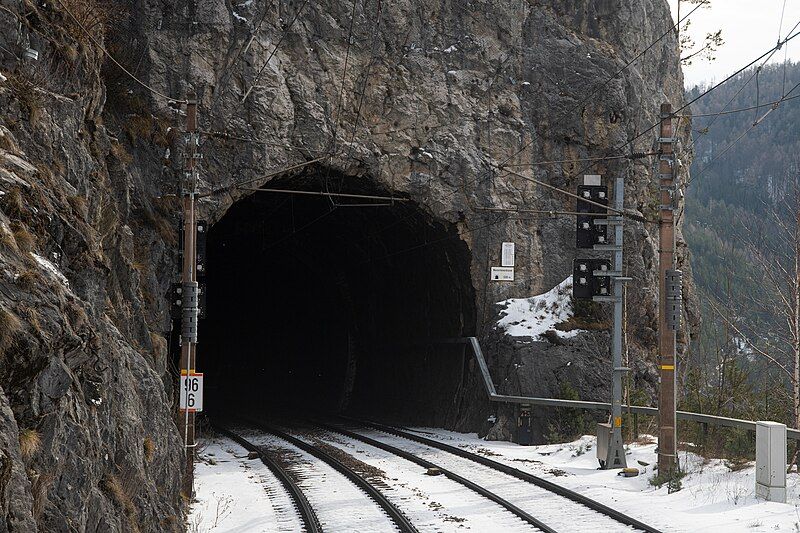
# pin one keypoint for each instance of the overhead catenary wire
(226, 188)
(739, 110)
(739, 138)
(324, 193)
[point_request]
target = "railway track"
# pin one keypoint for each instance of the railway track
(330, 472)
(302, 506)
(493, 492)
(569, 512)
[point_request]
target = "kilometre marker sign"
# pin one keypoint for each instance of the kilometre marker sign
(191, 391)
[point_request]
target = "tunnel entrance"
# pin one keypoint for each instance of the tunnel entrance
(324, 304)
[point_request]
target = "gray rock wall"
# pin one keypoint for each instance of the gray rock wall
(433, 96)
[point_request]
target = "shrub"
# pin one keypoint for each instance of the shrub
(671, 479)
(30, 440)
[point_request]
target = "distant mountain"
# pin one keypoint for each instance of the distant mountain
(741, 178)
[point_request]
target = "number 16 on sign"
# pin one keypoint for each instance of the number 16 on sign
(191, 392)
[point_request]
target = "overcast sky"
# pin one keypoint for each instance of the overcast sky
(749, 28)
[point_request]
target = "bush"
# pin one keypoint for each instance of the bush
(671, 479)
(568, 423)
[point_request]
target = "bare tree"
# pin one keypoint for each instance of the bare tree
(707, 49)
(765, 317)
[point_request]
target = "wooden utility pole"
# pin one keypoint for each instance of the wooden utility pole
(189, 292)
(667, 167)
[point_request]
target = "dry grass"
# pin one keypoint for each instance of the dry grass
(149, 447)
(29, 279)
(25, 240)
(121, 154)
(39, 489)
(30, 441)
(116, 490)
(79, 206)
(90, 15)
(13, 203)
(24, 88)
(10, 326)
(7, 240)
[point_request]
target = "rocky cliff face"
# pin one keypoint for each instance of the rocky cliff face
(420, 99)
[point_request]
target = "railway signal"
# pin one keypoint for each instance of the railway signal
(595, 279)
(588, 233)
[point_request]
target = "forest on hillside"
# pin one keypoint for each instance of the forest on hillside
(743, 232)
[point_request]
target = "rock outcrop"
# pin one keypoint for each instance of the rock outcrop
(423, 99)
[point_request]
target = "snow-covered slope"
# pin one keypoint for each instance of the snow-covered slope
(532, 317)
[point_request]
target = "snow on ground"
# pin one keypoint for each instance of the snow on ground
(532, 317)
(234, 494)
(713, 499)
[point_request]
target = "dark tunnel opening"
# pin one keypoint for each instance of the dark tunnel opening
(316, 304)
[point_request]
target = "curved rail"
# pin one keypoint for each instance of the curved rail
(519, 474)
(447, 473)
(400, 520)
(307, 514)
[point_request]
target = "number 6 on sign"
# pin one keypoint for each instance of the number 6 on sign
(191, 392)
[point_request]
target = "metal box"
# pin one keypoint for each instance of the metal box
(603, 436)
(771, 461)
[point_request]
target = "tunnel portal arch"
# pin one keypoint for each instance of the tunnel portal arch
(316, 303)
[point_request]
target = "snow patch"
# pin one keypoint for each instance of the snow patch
(450, 49)
(714, 499)
(234, 493)
(51, 269)
(238, 16)
(532, 317)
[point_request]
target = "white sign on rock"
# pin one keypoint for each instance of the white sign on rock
(191, 392)
(502, 274)
(507, 257)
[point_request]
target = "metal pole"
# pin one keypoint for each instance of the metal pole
(667, 443)
(616, 449)
(189, 290)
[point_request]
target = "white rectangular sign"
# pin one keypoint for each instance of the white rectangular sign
(502, 274)
(191, 392)
(507, 257)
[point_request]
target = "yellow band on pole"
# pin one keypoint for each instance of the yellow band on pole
(618, 422)
(667, 367)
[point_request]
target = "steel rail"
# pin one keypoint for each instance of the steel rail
(395, 514)
(307, 513)
(519, 474)
(491, 392)
(447, 473)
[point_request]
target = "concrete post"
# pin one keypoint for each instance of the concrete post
(771, 461)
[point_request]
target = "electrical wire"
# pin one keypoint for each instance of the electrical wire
(274, 50)
(739, 110)
(637, 155)
(117, 63)
(740, 137)
(609, 79)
